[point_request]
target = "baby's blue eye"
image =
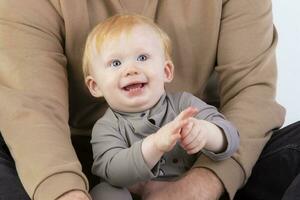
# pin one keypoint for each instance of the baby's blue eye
(115, 63)
(142, 58)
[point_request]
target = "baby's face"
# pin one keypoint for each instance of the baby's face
(131, 70)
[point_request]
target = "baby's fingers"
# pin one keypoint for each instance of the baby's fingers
(187, 113)
(182, 120)
(176, 126)
(196, 145)
(186, 129)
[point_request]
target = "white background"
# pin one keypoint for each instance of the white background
(287, 21)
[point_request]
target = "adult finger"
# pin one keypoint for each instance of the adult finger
(74, 195)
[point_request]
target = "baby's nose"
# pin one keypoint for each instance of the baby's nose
(132, 71)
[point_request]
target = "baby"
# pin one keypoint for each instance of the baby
(147, 134)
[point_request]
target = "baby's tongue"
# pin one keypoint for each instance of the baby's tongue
(133, 86)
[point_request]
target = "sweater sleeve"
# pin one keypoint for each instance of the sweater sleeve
(115, 160)
(246, 68)
(34, 99)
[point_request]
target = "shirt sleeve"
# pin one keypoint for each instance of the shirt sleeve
(211, 114)
(34, 99)
(114, 160)
(246, 68)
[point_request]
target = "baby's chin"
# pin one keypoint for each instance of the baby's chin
(133, 108)
(138, 104)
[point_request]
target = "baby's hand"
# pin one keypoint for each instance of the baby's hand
(167, 136)
(194, 135)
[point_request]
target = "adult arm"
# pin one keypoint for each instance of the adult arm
(188, 187)
(246, 67)
(34, 99)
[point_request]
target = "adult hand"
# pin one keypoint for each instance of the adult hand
(74, 195)
(198, 184)
(137, 188)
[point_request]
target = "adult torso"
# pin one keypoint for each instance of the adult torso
(193, 27)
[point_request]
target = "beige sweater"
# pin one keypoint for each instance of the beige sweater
(42, 93)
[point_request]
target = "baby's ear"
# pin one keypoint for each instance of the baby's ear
(169, 71)
(93, 86)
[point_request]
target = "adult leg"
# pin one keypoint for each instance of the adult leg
(293, 191)
(10, 184)
(276, 168)
(109, 192)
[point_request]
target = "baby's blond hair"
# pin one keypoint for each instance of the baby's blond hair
(112, 28)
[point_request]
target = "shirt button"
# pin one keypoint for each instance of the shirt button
(175, 160)
(162, 161)
(152, 121)
(161, 172)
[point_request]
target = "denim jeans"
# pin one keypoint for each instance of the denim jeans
(274, 176)
(276, 173)
(10, 185)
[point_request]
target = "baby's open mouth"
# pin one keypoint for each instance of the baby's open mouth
(135, 86)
